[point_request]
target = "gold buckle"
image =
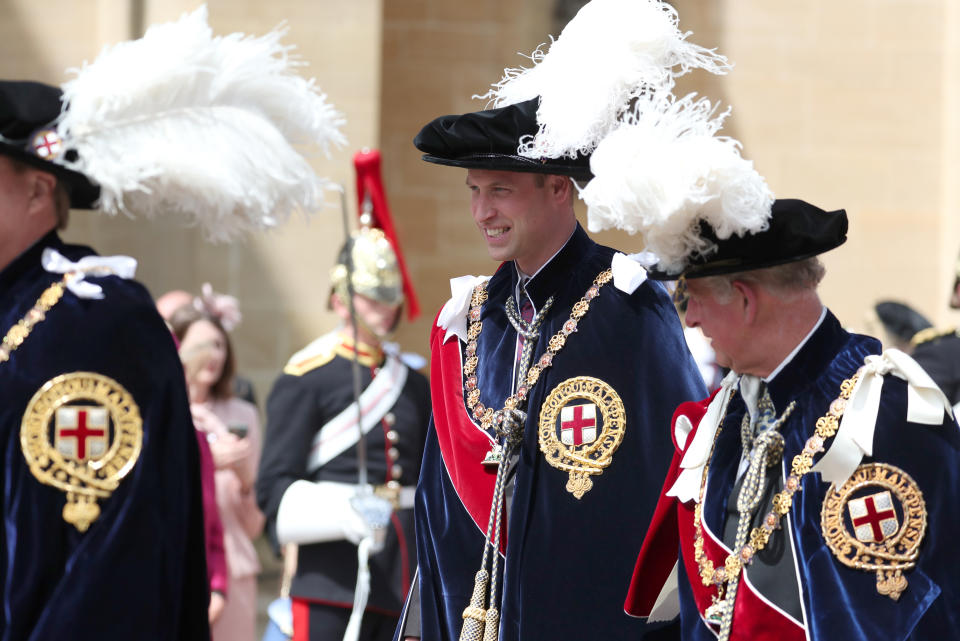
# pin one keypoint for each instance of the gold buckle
(390, 492)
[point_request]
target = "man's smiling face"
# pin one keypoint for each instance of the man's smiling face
(515, 214)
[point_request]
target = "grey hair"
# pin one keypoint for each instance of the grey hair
(783, 281)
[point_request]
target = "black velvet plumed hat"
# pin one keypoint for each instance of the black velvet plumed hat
(28, 133)
(796, 230)
(489, 140)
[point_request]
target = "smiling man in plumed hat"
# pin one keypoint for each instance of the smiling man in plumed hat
(552, 383)
(548, 381)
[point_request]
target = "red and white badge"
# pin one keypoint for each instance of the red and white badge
(578, 424)
(81, 432)
(588, 416)
(873, 517)
(46, 144)
(875, 522)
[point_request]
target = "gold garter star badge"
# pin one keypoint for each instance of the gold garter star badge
(582, 423)
(875, 521)
(81, 433)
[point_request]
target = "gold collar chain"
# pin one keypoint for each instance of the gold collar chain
(826, 427)
(19, 332)
(486, 415)
(479, 621)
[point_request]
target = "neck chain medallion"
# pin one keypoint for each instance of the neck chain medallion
(727, 577)
(482, 623)
(513, 406)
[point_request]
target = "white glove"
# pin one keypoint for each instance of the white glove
(319, 512)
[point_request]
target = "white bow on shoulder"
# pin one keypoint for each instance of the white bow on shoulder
(453, 316)
(854, 440)
(56, 263)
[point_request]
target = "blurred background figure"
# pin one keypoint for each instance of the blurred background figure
(221, 306)
(173, 300)
(311, 461)
(937, 350)
(217, 572)
(216, 555)
(895, 324)
(232, 428)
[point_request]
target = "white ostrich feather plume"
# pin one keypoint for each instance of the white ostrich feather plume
(211, 128)
(664, 170)
(610, 53)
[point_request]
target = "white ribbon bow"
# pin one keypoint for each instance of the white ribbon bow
(854, 440)
(56, 263)
(453, 316)
(687, 485)
(630, 271)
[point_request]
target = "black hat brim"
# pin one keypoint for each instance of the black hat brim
(797, 230)
(26, 110)
(83, 193)
(504, 162)
(730, 266)
(489, 139)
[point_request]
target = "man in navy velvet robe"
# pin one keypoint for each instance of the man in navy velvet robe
(594, 442)
(102, 514)
(815, 495)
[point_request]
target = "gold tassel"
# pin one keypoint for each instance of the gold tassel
(492, 631)
(473, 614)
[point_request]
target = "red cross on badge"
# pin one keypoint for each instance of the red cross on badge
(873, 517)
(81, 431)
(47, 144)
(578, 424)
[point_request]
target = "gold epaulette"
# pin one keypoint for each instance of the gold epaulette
(324, 349)
(367, 355)
(931, 334)
(316, 354)
(302, 367)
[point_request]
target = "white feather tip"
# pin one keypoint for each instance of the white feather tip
(664, 170)
(214, 128)
(610, 53)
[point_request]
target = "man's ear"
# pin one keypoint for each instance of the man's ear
(747, 297)
(560, 187)
(41, 189)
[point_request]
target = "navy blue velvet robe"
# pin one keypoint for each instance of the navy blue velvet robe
(841, 603)
(567, 560)
(139, 571)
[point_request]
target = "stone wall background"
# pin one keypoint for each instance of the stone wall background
(848, 105)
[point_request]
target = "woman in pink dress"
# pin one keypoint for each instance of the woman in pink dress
(232, 427)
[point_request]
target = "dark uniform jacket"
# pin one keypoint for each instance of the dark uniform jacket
(567, 559)
(139, 571)
(938, 352)
(309, 393)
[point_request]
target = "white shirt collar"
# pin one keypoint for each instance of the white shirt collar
(522, 277)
